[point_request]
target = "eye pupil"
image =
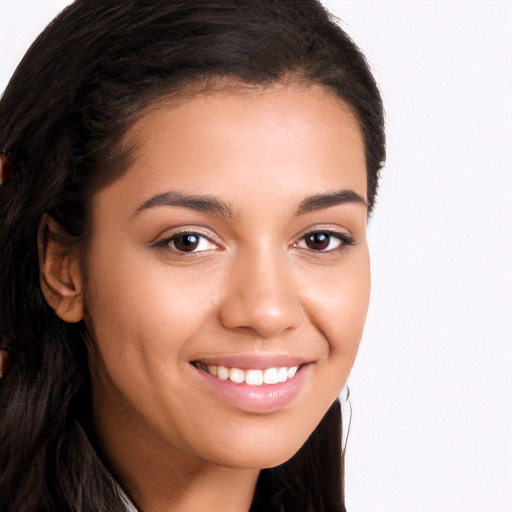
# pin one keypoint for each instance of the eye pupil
(318, 241)
(186, 242)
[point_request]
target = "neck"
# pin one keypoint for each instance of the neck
(169, 489)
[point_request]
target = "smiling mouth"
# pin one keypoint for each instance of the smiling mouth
(252, 377)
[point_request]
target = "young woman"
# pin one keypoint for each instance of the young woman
(184, 274)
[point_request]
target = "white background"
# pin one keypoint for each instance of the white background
(432, 387)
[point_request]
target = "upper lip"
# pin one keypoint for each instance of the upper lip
(253, 361)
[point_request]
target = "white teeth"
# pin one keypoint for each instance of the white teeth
(254, 377)
(270, 376)
(222, 373)
(291, 372)
(282, 374)
(251, 377)
(236, 375)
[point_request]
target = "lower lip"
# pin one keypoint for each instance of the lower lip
(264, 398)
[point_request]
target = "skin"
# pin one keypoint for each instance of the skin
(253, 287)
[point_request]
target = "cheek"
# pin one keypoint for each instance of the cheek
(143, 313)
(338, 310)
(339, 302)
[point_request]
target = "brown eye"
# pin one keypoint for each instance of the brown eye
(318, 241)
(325, 241)
(186, 242)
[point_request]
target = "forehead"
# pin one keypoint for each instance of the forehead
(247, 143)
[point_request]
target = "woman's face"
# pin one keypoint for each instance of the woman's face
(233, 249)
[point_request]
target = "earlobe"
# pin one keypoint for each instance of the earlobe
(60, 274)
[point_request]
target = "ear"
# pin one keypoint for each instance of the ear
(60, 275)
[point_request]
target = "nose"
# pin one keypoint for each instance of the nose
(261, 296)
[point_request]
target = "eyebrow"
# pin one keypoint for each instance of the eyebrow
(220, 208)
(204, 204)
(321, 201)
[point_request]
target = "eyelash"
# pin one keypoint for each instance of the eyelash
(165, 243)
(344, 239)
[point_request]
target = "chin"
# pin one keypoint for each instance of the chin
(267, 449)
(257, 459)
